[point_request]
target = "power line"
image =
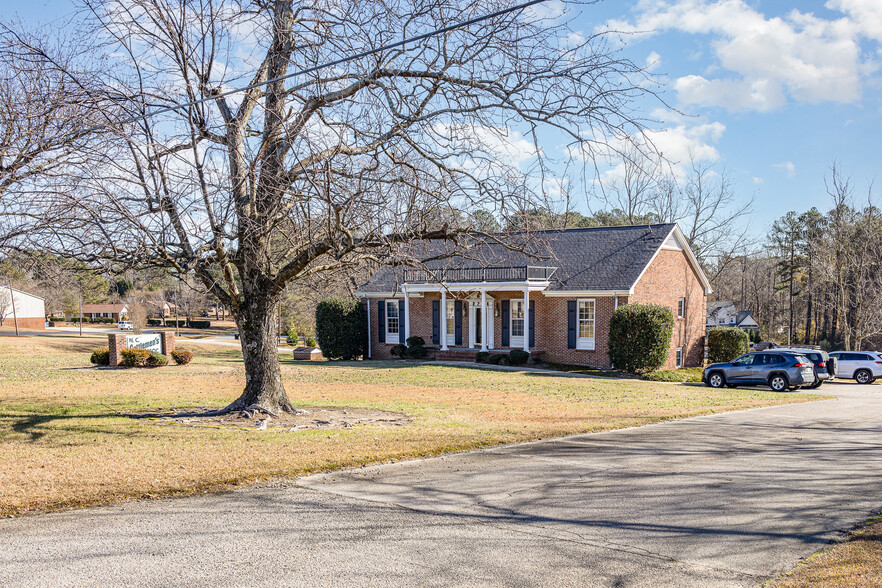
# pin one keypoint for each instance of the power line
(315, 68)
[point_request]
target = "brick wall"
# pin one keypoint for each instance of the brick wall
(29, 323)
(668, 278)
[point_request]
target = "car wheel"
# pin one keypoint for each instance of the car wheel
(778, 383)
(863, 377)
(716, 380)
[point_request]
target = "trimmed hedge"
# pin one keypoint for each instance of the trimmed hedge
(181, 356)
(726, 343)
(482, 356)
(200, 324)
(518, 357)
(100, 356)
(640, 337)
(134, 357)
(341, 328)
(399, 350)
(155, 359)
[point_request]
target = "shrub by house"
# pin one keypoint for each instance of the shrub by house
(726, 343)
(640, 336)
(341, 328)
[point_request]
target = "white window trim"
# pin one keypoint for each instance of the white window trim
(678, 357)
(681, 307)
(392, 338)
(585, 343)
(515, 340)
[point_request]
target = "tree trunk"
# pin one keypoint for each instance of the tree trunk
(264, 389)
(808, 309)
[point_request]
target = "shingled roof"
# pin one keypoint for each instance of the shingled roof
(600, 258)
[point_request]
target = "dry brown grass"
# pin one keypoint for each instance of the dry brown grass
(65, 439)
(856, 563)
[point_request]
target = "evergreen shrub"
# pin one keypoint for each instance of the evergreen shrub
(726, 343)
(640, 337)
(341, 328)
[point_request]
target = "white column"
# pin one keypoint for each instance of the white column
(406, 314)
(527, 320)
(442, 328)
(483, 325)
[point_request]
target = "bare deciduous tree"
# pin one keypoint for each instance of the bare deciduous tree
(329, 169)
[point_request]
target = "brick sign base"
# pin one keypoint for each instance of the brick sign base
(116, 343)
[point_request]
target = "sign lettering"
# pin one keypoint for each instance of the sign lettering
(148, 342)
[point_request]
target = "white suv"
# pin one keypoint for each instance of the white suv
(863, 366)
(125, 326)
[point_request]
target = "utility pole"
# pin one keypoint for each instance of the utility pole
(14, 315)
(80, 304)
(177, 332)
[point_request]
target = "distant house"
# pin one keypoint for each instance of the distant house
(722, 313)
(114, 311)
(29, 310)
(163, 309)
(555, 298)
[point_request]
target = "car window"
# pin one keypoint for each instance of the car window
(863, 357)
(815, 357)
(803, 359)
(849, 357)
(743, 360)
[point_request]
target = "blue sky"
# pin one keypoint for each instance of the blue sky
(788, 87)
(773, 91)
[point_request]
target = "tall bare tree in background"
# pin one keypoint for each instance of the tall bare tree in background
(326, 170)
(825, 267)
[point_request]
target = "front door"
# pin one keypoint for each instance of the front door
(476, 315)
(478, 323)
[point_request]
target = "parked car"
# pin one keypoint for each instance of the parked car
(779, 371)
(862, 366)
(825, 366)
(125, 326)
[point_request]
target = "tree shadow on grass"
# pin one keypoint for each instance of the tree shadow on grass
(31, 424)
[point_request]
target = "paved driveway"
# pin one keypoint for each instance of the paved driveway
(725, 500)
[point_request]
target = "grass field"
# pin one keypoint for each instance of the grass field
(66, 439)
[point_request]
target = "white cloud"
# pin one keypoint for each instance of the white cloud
(788, 167)
(800, 55)
(866, 14)
(680, 143)
(653, 60)
(757, 180)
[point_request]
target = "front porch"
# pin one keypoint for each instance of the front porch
(492, 304)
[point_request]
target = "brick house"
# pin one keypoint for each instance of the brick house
(111, 311)
(554, 295)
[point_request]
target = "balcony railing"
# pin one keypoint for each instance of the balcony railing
(524, 273)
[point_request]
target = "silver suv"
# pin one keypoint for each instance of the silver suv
(779, 371)
(863, 366)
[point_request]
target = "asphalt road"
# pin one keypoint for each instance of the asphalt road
(723, 500)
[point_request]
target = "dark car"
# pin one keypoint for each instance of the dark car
(825, 364)
(780, 371)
